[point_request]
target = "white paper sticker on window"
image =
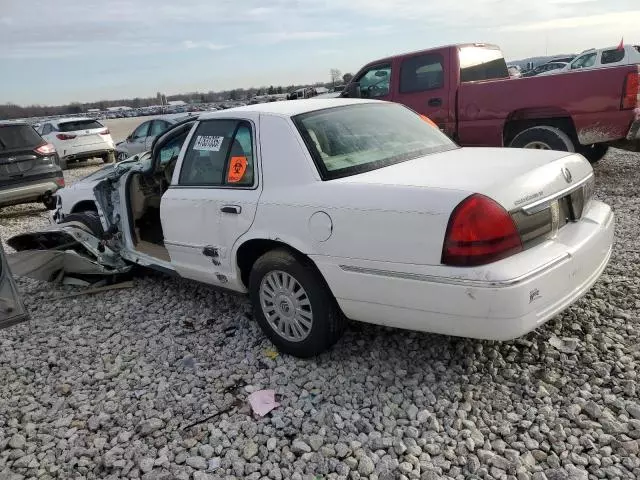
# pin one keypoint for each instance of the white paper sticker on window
(209, 143)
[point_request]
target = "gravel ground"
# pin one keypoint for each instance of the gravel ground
(131, 384)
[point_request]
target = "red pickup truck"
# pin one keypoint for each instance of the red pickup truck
(466, 90)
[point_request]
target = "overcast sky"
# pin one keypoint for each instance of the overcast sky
(57, 51)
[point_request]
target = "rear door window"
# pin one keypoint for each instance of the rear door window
(18, 136)
(421, 73)
(612, 56)
(157, 127)
(76, 125)
(220, 154)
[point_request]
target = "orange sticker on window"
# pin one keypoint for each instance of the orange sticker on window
(237, 168)
(428, 120)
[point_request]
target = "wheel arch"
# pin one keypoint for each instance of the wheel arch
(84, 206)
(251, 249)
(523, 119)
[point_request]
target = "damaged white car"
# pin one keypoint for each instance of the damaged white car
(324, 210)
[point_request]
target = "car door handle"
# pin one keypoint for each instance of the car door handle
(435, 102)
(231, 209)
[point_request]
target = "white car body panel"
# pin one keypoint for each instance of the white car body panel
(631, 56)
(377, 237)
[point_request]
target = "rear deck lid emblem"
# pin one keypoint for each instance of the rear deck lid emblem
(566, 174)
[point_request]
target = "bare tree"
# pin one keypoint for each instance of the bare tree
(336, 76)
(346, 78)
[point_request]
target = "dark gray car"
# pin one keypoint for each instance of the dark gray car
(29, 166)
(142, 137)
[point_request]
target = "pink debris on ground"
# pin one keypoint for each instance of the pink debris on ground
(263, 401)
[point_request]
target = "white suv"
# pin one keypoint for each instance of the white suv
(79, 139)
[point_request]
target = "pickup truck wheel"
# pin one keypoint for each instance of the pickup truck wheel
(543, 137)
(594, 152)
(91, 220)
(293, 305)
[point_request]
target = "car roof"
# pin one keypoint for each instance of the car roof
(288, 108)
(430, 50)
(58, 121)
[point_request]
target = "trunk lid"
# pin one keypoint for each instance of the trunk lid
(515, 178)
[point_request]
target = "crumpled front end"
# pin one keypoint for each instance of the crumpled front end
(63, 250)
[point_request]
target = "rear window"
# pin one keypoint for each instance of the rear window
(354, 139)
(481, 63)
(79, 125)
(18, 136)
(612, 56)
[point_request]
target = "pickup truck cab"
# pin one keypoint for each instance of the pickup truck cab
(466, 90)
(323, 210)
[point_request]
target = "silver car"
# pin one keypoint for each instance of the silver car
(142, 137)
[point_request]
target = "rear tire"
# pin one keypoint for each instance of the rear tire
(91, 220)
(304, 319)
(63, 163)
(109, 157)
(594, 152)
(543, 137)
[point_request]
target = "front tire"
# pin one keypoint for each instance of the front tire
(293, 305)
(121, 156)
(543, 137)
(90, 220)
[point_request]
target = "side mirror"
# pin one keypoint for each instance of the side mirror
(352, 90)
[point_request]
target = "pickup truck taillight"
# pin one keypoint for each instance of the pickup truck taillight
(479, 232)
(631, 93)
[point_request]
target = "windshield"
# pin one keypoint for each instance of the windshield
(481, 63)
(79, 125)
(358, 138)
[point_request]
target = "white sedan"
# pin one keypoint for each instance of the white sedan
(324, 210)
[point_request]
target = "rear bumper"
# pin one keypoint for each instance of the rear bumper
(29, 191)
(486, 309)
(87, 151)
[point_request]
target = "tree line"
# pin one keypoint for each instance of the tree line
(11, 111)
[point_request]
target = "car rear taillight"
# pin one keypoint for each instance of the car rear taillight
(631, 93)
(65, 136)
(106, 132)
(46, 149)
(60, 182)
(479, 232)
